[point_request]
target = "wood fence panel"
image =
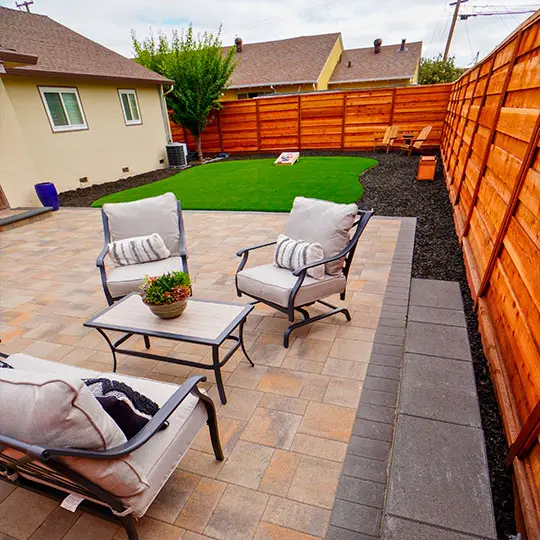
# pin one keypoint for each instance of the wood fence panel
(495, 191)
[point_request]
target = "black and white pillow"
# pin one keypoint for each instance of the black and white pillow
(293, 254)
(128, 408)
(139, 249)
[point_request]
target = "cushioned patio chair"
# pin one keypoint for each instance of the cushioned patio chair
(161, 215)
(64, 444)
(337, 227)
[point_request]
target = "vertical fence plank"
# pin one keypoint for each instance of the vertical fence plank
(257, 115)
(219, 131)
(343, 121)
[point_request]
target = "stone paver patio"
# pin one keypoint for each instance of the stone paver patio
(287, 423)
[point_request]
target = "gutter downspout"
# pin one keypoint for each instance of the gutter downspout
(165, 112)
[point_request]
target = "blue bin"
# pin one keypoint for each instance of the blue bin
(47, 194)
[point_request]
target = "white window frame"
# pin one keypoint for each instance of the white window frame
(65, 90)
(128, 92)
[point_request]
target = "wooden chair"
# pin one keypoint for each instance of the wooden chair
(387, 140)
(417, 143)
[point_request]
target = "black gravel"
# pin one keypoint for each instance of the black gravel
(391, 190)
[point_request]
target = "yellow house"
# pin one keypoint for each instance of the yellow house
(71, 111)
(318, 63)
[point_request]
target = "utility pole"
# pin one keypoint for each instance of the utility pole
(26, 4)
(452, 27)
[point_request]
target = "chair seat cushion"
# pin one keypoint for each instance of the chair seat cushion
(275, 285)
(123, 280)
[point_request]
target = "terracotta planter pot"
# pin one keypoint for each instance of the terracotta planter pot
(169, 311)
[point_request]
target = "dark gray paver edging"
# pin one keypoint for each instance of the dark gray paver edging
(25, 213)
(358, 509)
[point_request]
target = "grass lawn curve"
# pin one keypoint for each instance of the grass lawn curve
(256, 184)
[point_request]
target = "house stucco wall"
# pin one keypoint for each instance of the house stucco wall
(330, 65)
(364, 85)
(31, 152)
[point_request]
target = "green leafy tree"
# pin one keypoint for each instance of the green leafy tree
(200, 71)
(436, 70)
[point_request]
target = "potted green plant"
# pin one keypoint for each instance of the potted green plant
(166, 295)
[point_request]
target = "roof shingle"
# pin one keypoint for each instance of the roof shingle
(62, 52)
(390, 63)
(285, 61)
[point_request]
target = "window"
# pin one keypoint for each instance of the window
(64, 108)
(130, 106)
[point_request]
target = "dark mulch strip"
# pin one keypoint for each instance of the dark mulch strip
(391, 190)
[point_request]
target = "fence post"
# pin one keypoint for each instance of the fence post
(475, 129)
(510, 209)
(491, 136)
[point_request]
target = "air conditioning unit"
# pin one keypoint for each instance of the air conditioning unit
(177, 155)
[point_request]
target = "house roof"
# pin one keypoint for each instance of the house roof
(286, 61)
(64, 53)
(389, 64)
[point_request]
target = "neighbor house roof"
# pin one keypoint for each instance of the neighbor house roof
(62, 52)
(389, 64)
(286, 61)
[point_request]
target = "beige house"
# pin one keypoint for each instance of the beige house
(71, 111)
(318, 63)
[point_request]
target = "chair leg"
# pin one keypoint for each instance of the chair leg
(147, 342)
(129, 525)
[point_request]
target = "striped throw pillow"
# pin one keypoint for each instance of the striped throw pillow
(293, 254)
(137, 250)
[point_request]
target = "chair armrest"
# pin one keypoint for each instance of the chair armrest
(138, 440)
(101, 257)
(248, 249)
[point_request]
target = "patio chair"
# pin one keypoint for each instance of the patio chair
(337, 227)
(416, 143)
(162, 215)
(387, 140)
(63, 444)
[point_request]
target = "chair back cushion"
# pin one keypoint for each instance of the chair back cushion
(137, 250)
(293, 254)
(55, 411)
(323, 222)
(144, 217)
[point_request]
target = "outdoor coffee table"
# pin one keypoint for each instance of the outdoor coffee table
(203, 322)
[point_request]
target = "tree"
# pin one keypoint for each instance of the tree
(199, 69)
(436, 70)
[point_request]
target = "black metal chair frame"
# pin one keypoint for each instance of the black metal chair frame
(100, 262)
(61, 479)
(346, 253)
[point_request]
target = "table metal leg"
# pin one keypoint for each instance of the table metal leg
(111, 346)
(241, 336)
(217, 372)
(147, 342)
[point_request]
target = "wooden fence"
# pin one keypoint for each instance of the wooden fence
(326, 121)
(492, 168)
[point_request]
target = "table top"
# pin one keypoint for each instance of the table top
(203, 321)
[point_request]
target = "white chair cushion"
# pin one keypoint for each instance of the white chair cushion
(324, 222)
(144, 217)
(61, 412)
(123, 280)
(30, 363)
(275, 285)
(160, 456)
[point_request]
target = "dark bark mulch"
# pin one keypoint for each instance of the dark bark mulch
(391, 189)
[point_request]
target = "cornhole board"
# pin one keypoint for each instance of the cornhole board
(287, 158)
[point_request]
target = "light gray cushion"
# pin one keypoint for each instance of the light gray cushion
(327, 223)
(61, 412)
(123, 280)
(275, 285)
(144, 217)
(294, 254)
(138, 250)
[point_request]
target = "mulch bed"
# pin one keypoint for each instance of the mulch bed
(391, 190)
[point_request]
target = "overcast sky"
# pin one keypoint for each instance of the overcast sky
(360, 21)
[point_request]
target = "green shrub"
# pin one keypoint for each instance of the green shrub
(166, 289)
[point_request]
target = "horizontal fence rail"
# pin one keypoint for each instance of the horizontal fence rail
(322, 121)
(491, 161)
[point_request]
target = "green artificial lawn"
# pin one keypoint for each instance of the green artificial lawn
(256, 184)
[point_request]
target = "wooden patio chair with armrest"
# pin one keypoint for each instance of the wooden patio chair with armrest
(44, 469)
(387, 140)
(417, 143)
(292, 291)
